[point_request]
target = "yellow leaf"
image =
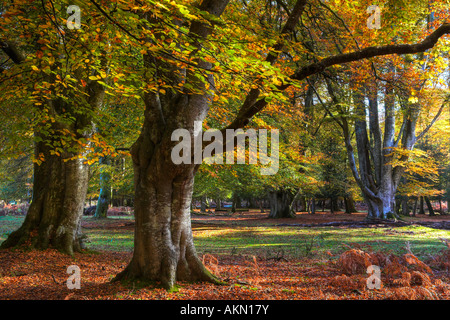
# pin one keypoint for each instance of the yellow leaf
(35, 68)
(413, 99)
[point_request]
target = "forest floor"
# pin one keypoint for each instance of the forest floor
(259, 258)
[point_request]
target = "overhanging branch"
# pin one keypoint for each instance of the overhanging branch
(247, 110)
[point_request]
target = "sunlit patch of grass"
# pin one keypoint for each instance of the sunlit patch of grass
(110, 240)
(295, 241)
(9, 224)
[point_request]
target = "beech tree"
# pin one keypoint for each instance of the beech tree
(54, 71)
(164, 249)
(385, 110)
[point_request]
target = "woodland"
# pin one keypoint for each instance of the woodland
(108, 164)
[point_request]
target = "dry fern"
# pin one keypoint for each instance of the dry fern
(394, 267)
(354, 261)
(420, 279)
(211, 263)
(405, 281)
(412, 260)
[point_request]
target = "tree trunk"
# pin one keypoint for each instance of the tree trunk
(54, 216)
(448, 205)
(405, 207)
(237, 202)
(105, 193)
(349, 204)
(313, 205)
(203, 204)
(302, 204)
(333, 205)
(376, 177)
(163, 246)
(60, 182)
(430, 207)
(280, 204)
(218, 204)
(261, 205)
(415, 206)
(397, 206)
(421, 206)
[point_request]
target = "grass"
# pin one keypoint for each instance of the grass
(268, 241)
(9, 224)
(295, 241)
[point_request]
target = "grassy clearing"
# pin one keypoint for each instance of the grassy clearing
(267, 241)
(299, 242)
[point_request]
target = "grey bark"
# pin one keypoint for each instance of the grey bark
(375, 176)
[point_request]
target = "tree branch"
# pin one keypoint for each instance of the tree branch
(12, 52)
(370, 52)
(248, 110)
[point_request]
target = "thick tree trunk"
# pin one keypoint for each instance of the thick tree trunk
(54, 216)
(280, 204)
(163, 246)
(60, 182)
(383, 208)
(377, 178)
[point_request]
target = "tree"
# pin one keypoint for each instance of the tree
(57, 73)
(164, 249)
(380, 153)
(104, 198)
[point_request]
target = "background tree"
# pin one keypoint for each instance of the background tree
(60, 76)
